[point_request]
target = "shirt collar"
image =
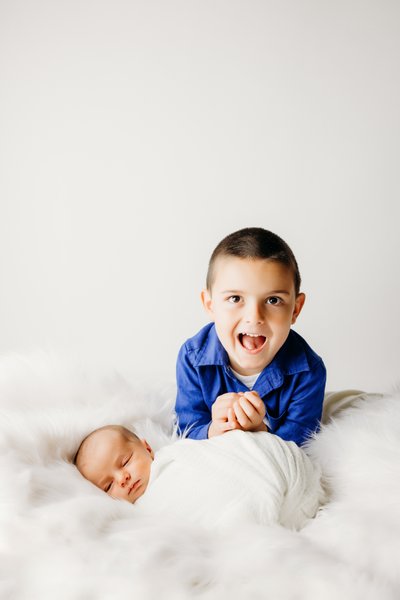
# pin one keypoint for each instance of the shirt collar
(290, 359)
(213, 352)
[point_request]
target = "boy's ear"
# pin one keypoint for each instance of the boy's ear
(207, 302)
(298, 305)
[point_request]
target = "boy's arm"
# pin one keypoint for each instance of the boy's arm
(305, 406)
(194, 416)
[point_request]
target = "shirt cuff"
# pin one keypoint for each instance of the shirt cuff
(199, 433)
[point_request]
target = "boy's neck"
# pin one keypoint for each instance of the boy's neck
(247, 380)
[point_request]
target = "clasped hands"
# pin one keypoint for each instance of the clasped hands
(243, 410)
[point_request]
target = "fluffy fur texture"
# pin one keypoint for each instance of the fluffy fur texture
(60, 537)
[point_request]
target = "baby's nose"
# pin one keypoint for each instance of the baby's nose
(125, 477)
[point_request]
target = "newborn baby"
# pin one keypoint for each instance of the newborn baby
(236, 477)
(116, 461)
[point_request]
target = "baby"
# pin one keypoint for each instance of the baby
(116, 461)
(219, 482)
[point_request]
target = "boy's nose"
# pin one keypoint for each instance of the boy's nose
(255, 315)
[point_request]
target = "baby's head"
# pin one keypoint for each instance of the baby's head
(116, 461)
(253, 296)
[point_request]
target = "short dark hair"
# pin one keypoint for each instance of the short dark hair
(126, 433)
(255, 242)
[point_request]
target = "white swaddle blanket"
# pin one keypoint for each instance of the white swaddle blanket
(234, 478)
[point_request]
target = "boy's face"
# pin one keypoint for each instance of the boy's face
(253, 305)
(119, 466)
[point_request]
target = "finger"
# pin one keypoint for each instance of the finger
(219, 410)
(256, 401)
(241, 416)
(226, 400)
(233, 423)
(250, 411)
(222, 412)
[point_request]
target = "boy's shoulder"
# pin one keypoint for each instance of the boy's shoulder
(197, 341)
(296, 350)
(204, 347)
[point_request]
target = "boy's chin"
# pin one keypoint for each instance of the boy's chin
(247, 368)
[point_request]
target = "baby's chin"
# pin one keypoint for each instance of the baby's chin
(127, 499)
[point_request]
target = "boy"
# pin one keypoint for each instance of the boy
(248, 369)
(231, 479)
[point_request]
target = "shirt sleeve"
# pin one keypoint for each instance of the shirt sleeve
(194, 416)
(303, 415)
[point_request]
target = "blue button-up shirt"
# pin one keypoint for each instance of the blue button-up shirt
(291, 386)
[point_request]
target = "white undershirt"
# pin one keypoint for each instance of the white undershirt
(247, 380)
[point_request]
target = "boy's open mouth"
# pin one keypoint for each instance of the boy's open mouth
(252, 341)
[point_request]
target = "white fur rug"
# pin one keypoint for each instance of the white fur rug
(62, 538)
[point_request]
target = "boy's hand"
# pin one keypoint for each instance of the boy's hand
(249, 411)
(223, 414)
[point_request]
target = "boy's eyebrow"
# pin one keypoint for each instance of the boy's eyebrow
(266, 294)
(279, 292)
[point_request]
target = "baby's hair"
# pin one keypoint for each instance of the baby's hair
(126, 433)
(254, 243)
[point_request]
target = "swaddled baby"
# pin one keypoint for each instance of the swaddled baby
(236, 477)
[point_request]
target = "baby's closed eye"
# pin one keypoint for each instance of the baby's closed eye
(126, 460)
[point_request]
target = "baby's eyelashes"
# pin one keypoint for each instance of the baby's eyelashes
(125, 462)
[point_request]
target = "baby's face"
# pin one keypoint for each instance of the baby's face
(117, 465)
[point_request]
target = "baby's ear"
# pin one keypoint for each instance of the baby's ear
(148, 448)
(207, 302)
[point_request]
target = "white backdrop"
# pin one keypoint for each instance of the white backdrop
(135, 135)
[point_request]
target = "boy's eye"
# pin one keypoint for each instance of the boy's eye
(273, 300)
(234, 299)
(108, 487)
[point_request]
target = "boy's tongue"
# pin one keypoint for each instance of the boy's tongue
(252, 343)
